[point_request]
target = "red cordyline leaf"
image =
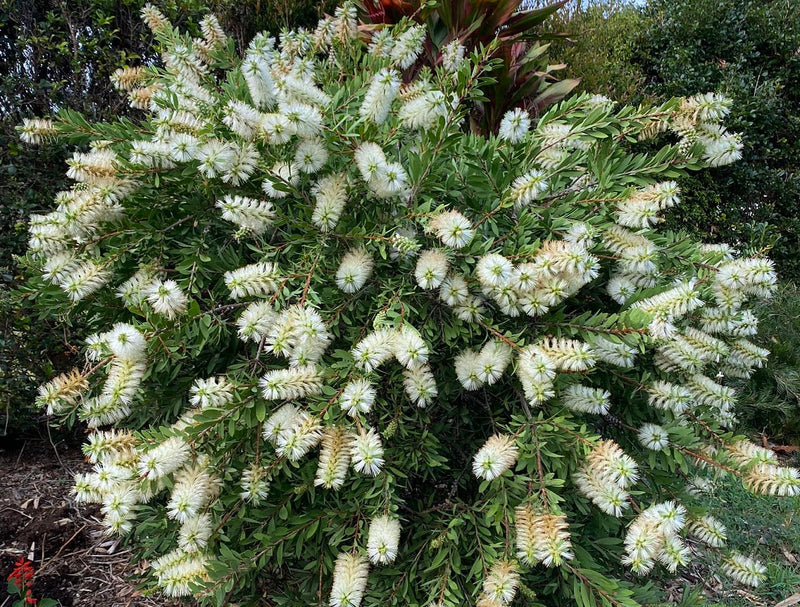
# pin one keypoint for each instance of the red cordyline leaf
(523, 79)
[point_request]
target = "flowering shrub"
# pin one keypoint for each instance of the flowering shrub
(343, 345)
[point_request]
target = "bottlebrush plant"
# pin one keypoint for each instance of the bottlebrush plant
(346, 353)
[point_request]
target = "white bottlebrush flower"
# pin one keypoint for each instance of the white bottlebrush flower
(613, 352)
(176, 571)
(500, 584)
(383, 540)
(494, 270)
(536, 372)
(391, 180)
(515, 125)
(297, 88)
(425, 109)
(653, 436)
(111, 447)
(62, 392)
(454, 290)
(119, 391)
(586, 399)
(254, 485)
(469, 370)
(453, 56)
(357, 396)
(769, 479)
(708, 107)
(260, 84)
(354, 271)
(349, 580)
(166, 298)
(382, 91)
(375, 349)
(36, 130)
(453, 229)
(471, 309)
(276, 128)
(670, 516)
(528, 187)
(256, 321)
(256, 279)
(670, 397)
(420, 385)
(334, 458)
(163, 459)
(299, 438)
(367, 453)
(311, 155)
(542, 537)
(408, 46)
(621, 288)
(674, 553)
(605, 477)
(118, 508)
(410, 349)
(721, 147)
(195, 533)
(249, 213)
(244, 159)
(57, 267)
(84, 279)
(331, 197)
(282, 419)
(242, 119)
(497, 455)
(709, 530)
(492, 361)
(306, 119)
(133, 290)
(569, 355)
(215, 158)
(126, 342)
(211, 392)
(292, 383)
(431, 269)
(370, 160)
(744, 569)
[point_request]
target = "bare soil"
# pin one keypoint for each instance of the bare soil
(74, 562)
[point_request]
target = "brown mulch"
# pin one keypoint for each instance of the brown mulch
(75, 563)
